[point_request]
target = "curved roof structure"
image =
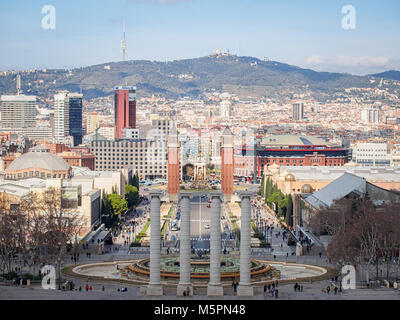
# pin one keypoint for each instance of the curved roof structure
(293, 140)
(43, 160)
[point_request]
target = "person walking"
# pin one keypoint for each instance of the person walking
(276, 293)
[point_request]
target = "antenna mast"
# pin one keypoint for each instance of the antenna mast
(123, 43)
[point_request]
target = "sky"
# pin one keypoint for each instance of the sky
(307, 33)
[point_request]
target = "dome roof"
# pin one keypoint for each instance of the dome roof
(42, 160)
(306, 188)
(290, 177)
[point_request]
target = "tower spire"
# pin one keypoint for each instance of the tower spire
(123, 42)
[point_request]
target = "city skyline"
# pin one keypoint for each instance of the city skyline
(169, 30)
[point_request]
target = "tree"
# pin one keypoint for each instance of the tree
(289, 211)
(276, 198)
(13, 234)
(136, 181)
(131, 195)
(118, 204)
(362, 233)
(262, 191)
(61, 225)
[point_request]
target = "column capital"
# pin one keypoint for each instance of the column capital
(216, 194)
(246, 194)
(185, 195)
(156, 193)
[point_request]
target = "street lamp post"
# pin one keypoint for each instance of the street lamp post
(59, 273)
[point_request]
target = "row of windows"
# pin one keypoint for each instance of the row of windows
(35, 174)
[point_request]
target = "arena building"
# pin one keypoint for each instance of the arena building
(287, 150)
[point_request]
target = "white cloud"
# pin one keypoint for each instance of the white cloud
(346, 61)
(350, 64)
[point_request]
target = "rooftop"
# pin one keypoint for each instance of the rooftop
(330, 173)
(293, 140)
(43, 160)
(336, 190)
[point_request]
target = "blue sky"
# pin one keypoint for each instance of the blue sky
(306, 33)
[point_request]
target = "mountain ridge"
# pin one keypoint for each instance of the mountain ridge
(245, 76)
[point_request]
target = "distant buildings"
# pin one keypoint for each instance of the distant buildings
(18, 111)
(68, 117)
(125, 109)
(298, 111)
(371, 115)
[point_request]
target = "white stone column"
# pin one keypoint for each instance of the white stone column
(214, 286)
(185, 247)
(155, 288)
(245, 288)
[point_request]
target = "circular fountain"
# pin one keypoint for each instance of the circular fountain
(200, 269)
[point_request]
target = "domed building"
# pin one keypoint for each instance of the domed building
(290, 177)
(307, 188)
(41, 165)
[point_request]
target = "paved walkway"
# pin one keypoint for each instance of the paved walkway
(286, 292)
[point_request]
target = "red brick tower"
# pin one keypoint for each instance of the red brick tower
(125, 109)
(227, 164)
(173, 165)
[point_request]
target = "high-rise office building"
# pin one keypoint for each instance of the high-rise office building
(68, 116)
(125, 109)
(298, 111)
(18, 111)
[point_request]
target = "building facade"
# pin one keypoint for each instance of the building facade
(125, 109)
(68, 117)
(18, 111)
(372, 154)
(287, 151)
(298, 111)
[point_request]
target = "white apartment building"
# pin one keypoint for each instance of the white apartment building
(372, 154)
(92, 122)
(226, 109)
(371, 115)
(148, 157)
(18, 111)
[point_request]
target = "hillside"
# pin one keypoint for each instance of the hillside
(245, 76)
(392, 75)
